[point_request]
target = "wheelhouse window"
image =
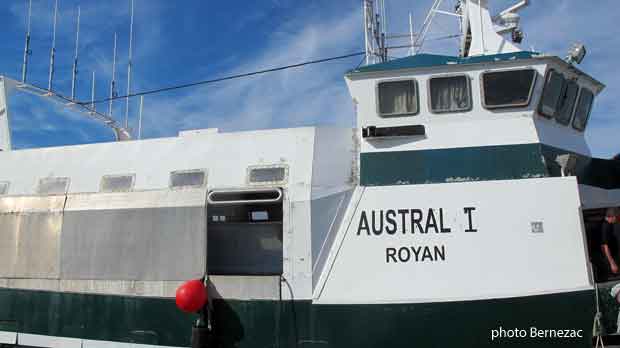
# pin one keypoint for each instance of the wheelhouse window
(450, 94)
(509, 88)
(397, 98)
(567, 103)
(553, 93)
(582, 111)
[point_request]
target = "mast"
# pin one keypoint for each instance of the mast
(75, 58)
(129, 65)
(53, 50)
(27, 46)
(113, 81)
(140, 117)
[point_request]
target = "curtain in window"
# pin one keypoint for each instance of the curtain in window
(449, 94)
(397, 97)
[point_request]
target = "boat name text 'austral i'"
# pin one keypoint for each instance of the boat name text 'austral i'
(411, 221)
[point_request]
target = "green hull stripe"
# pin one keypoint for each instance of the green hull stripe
(300, 323)
(506, 162)
(451, 165)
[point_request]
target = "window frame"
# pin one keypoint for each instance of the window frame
(187, 171)
(7, 186)
(545, 85)
(507, 106)
(574, 114)
(66, 179)
(284, 180)
(378, 99)
(571, 112)
(131, 185)
(441, 76)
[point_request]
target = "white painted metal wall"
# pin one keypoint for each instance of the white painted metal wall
(508, 255)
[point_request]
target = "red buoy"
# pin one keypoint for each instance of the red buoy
(191, 296)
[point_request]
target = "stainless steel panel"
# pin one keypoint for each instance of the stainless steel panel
(30, 229)
(155, 236)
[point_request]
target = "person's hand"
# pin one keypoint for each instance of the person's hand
(614, 268)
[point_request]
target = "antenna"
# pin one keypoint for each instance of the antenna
(53, 50)
(27, 51)
(129, 64)
(113, 81)
(373, 33)
(140, 117)
(92, 94)
(411, 35)
(75, 58)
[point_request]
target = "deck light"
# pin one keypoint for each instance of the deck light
(576, 53)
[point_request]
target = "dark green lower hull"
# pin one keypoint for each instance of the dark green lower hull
(259, 324)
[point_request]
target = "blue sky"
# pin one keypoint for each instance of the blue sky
(186, 40)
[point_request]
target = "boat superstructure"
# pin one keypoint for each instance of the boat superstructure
(458, 212)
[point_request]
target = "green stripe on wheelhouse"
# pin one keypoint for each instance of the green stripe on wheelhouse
(300, 323)
(505, 162)
(452, 165)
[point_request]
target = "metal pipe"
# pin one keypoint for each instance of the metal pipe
(75, 58)
(129, 64)
(27, 45)
(113, 81)
(53, 51)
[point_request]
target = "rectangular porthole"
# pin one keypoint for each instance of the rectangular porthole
(263, 175)
(188, 178)
(117, 183)
(4, 188)
(53, 186)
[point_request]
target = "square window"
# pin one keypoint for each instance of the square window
(450, 94)
(397, 98)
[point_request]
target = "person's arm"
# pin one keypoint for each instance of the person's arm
(610, 259)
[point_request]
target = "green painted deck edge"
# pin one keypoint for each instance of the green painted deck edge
(301, 323)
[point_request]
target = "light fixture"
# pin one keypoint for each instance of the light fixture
(576, 53)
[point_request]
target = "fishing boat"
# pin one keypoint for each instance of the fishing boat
(460, 211)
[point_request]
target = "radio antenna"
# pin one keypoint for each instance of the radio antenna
(53, 50)
(92, 95)
(411, 35)
(113, 81)
(129, 63)
(140, 117)
(27, 46)
(75, 58)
